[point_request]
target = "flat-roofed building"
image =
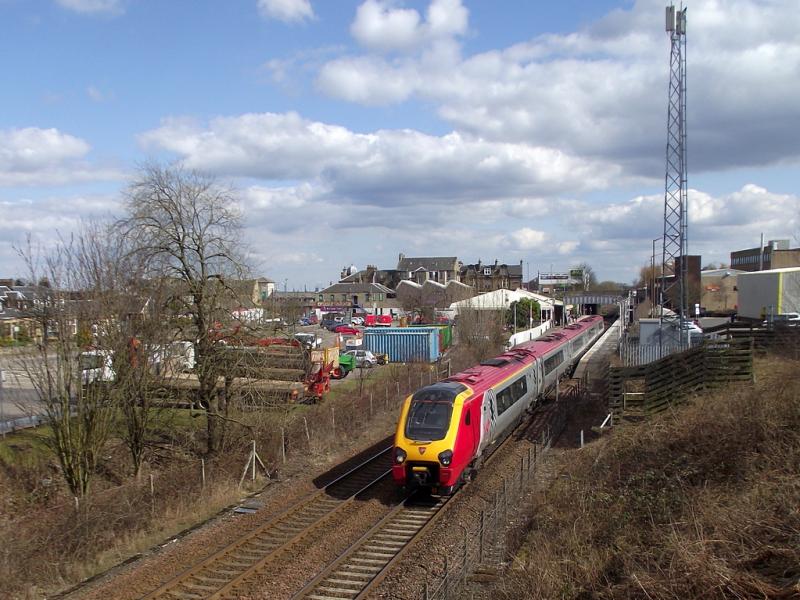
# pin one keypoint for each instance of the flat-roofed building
(775, 255)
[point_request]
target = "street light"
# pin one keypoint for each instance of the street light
(653, 276)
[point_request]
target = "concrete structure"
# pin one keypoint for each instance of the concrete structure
(766, 293)
(775, 255)
(719, 293)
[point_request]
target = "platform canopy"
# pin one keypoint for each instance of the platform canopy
(503, 299)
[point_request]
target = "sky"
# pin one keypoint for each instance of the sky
(353, 131)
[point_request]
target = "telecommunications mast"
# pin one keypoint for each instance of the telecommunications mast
(674, 256)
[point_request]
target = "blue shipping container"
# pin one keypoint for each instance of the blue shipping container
(406, 344)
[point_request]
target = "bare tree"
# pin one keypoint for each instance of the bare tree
(80, 416)
(187, 229)
(480, 336)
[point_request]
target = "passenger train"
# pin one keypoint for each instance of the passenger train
(447, 428)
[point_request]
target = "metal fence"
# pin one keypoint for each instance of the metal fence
(483, 548)
(633, 354)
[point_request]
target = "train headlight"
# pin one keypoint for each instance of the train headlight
(446, 457)
(399, 456)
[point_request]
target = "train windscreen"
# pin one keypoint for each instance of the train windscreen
(429, 414)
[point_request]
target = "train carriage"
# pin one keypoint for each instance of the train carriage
(446, 428)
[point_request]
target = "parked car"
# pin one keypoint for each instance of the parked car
(783, 320)
(692, 331)
(357, 320)
(346, 329)
(363, 358)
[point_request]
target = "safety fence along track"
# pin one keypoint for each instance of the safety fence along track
(218, 574)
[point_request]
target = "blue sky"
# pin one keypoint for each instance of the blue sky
(356, 130)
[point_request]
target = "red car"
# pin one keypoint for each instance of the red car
(347, 329)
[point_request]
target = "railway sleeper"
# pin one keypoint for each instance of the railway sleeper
(358, 569)
(347, 583)
(336, 590)
(382, 548)
(402, 539)
(367, 560)
(352, 576)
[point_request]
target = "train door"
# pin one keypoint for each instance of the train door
(488, 420)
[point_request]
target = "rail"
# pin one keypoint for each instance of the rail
(363, 566)
(217, 574)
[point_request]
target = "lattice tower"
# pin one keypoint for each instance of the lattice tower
(674, 265)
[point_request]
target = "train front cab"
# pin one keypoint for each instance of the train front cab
(435, 438)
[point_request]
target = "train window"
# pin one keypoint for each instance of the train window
(428, 421)
(431, 407)
(552, 362)
(508, 396)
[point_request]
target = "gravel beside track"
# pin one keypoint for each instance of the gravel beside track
(162, 563)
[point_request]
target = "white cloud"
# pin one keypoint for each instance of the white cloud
(97, 95)
(47, 157)
(286, 10)
(527, 239)
(384, 168)
(380, 25)
(599, 91)
(93, 7)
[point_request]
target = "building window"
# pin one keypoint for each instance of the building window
(487, 271)
(367, 297)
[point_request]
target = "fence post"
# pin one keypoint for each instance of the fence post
(446, 590)
(464, 569)
(370, 405)
(305, 423)
(333, 421)
(203, 472)
(480, 536)
(581, 438)
(521, 471)
(283, 447)
(152, 495)
(253, 457)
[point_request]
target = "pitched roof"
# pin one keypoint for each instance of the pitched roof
(357, 288)
(432, 263)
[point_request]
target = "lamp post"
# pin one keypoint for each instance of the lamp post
(653, 277)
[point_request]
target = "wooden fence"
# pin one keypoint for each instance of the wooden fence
(645, 389)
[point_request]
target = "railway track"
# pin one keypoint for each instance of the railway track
(362, 567)
(353, 572)
(217, 575)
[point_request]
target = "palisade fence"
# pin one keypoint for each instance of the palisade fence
(632, 353)
(482, 549)
(635, 391)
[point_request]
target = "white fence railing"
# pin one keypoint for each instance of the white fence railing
(528, 334)
(633, 353)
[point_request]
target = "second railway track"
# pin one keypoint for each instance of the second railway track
(362, 567)
(217, 575)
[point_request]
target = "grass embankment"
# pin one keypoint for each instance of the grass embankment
(700, 502)
(47, 543)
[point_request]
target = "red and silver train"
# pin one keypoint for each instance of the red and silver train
(446, 428)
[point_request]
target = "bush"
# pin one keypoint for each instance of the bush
(696, 503)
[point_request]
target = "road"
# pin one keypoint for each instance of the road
(18, 397)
